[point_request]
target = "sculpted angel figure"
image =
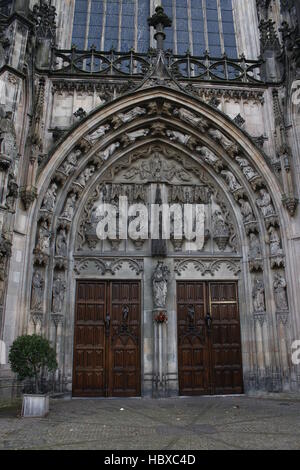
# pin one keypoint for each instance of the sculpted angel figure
(109, 151)
(246, 168)
(191, 118)
(70, 207)
(132, 114)
(58, 294)
(61, 243)
(255, 249)
(265, 203)
(246, 210)
(37, 291)
(132, 136)
(259, 296)
(50, 198)
(231, 180)
(160, 284)
(275, 243)
(208, 156)
(86, 175)
(280, 292)
(98, 133)
(44, 234)
(178, 136)
(70, 163)
(219, 137)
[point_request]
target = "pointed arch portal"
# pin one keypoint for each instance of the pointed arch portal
(161, 137)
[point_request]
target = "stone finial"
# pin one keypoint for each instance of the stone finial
(160, 21)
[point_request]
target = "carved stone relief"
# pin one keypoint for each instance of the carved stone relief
(160, 279)
(280, 293)
(58, 294)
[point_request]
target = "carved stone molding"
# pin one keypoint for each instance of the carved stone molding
(206, 266)
(108, 265)
(57, 318)
(283, 317)
(260, 317)
(28, 196)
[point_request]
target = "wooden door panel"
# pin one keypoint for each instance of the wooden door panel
(209, 359)
(192, 339)
(89, 339)
(107, 357)
(226, 358)
(125, 339)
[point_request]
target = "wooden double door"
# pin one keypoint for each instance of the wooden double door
(209, 338)
(107, 339)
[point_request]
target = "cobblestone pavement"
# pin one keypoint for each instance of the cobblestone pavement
(170, 424)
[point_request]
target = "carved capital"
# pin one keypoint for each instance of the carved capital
(28, 195)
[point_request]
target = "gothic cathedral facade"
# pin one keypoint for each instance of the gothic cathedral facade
(162, 102)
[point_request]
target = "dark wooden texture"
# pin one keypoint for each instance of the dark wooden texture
(209, 340)
(107, 339)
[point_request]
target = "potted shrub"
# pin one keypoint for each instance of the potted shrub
(29, 356)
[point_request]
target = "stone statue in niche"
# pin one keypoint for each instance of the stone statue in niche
(178, 137)
(246, 210)
(70, 207)
(132, 136)
(109, 151)
(275, 242)
(50, 198)
(98, 133)
(12, 192)
(191, 118)
(86, 175)
(61, 243)
(219, 137)
(7, 135)
(208, 156)
(246, 168)
(44, 235)
(160, 285)
(280, 286)
(258, 295)
(220, 230)
(231, 180)
(130, 116)
(254, 246)
(265, 203)
(70, 163)
(58, 294)
(37, 291)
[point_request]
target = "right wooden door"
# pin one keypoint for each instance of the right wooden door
(209, 338)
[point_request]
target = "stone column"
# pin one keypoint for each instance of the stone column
(160, 369)
(160, 279)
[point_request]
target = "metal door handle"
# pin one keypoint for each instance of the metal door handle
(208, 321)
(107, 321)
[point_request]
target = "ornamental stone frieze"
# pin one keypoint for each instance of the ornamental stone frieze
(105, 265)
(206, 266)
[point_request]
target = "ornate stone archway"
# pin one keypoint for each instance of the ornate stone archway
(199, 148)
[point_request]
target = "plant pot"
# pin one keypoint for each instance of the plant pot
(35, 406)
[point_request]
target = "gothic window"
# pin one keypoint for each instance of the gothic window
(198, 26)
(119, 24)
(201, 25)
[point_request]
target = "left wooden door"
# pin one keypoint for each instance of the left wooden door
(107, 339)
